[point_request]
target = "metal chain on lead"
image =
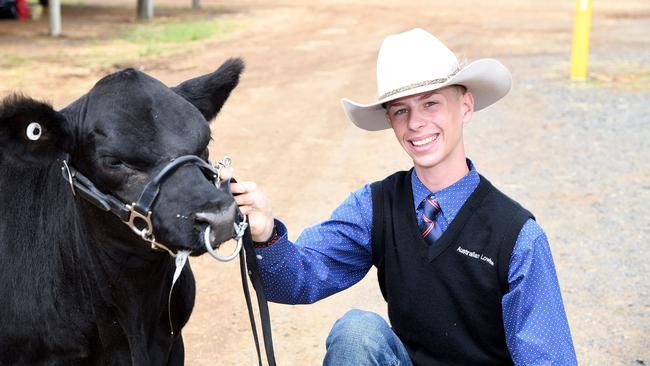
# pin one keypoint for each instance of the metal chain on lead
(239, 228)
(224, 163)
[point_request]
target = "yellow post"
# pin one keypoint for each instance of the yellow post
(580, 49)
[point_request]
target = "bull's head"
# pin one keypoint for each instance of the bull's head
(120, 135)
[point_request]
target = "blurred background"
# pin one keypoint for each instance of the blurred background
(573, 152)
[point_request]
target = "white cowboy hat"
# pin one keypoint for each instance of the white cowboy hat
(414, 62)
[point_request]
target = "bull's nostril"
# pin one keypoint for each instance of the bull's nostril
(221, 222)
(206, 217)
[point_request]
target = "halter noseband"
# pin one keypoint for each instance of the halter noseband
(137, 215)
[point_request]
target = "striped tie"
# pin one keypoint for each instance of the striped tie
(430, 231)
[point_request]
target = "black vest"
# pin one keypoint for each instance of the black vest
(444, 301)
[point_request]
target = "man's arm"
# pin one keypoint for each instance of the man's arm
(325, 259)
(536, 326)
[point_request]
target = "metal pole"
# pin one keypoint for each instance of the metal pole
(54, 9)
(195, 4)
(145, 9)
(580, 49)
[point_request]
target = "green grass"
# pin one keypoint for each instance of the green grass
(163, 37)
(126, 48)
(34, 3)
(178, 32)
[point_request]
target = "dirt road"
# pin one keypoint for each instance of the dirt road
(573, 154)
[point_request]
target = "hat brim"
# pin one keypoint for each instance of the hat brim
(487, 79)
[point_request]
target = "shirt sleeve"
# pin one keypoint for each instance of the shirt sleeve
(536, 326)
(325, 259)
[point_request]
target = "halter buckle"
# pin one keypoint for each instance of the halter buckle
(145, 233)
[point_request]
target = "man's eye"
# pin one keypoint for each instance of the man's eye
(399, 112)
(429, 104)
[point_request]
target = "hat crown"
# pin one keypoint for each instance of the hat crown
(410, 59)
(416, 62)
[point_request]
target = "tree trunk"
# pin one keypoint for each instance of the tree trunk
(145, 9)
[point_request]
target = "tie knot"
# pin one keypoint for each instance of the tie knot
(430, 207)
(429, 229)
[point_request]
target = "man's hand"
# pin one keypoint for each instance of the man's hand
(254, 203)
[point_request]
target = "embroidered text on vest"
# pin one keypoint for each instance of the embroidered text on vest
(475, 255)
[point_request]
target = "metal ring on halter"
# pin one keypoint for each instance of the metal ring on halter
(145, 233)
(214, 253)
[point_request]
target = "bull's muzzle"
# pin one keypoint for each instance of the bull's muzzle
(220, 228)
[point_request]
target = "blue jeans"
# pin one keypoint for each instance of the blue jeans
(364, 338)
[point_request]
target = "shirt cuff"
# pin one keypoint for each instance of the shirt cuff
(273, 254)
(279, 231)
(272, 239)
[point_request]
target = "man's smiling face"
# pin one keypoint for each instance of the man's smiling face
(429, 125)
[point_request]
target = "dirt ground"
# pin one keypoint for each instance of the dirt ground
(284, 128)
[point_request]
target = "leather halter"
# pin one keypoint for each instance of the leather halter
(136, 215)
(140, 211)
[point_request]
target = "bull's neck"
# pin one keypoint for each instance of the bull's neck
(129, 275)
(132, 290)
(80, 249)
(40, 226)
(136, 287)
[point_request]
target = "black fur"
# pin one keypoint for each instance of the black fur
(78, 287)
(202, 93)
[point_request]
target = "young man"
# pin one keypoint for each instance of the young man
(467, 272)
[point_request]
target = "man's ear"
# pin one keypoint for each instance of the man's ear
(467, 106)
(31, 132)
(209, 92)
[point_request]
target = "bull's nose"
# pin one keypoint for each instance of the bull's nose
(221, 222)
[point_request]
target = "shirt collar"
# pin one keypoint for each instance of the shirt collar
(451, 198)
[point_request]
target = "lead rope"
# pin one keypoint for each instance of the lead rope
(250, 267)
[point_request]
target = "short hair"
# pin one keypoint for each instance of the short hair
(460, 90)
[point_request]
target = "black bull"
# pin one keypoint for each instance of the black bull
(78, 286)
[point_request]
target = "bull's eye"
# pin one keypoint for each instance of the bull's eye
(113, 162)
(34, 131)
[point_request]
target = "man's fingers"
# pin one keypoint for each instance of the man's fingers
(226, 173)
(247, 199)
(245, 210)
(236, 188)
(253, 203)
(243, 187)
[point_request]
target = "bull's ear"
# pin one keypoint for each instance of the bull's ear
(209, 92)
(31, 132)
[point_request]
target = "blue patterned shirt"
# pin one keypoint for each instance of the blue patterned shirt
(336, 254)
